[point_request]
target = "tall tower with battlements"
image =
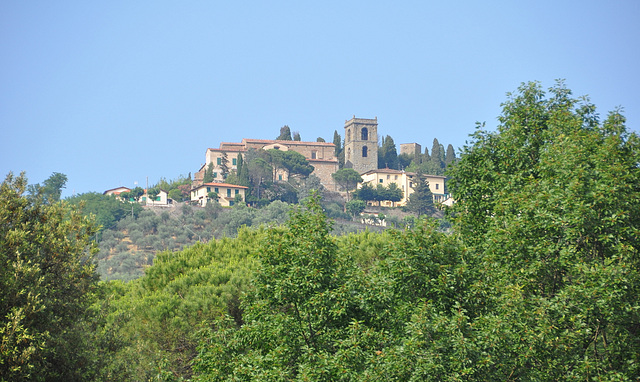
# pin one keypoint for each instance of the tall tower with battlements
(361, 144)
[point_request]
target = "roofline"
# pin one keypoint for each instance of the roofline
(220, 185)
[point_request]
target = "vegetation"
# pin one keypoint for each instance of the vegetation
(421, 200)
(347, 178)
(380, 193)
(536, 278)
(46, 284)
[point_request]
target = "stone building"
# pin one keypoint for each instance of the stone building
(411, 149)
(361, 144)
(321, 155)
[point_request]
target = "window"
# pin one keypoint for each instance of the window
(395, 177)
(279, 176)
(228, 192)
(216, 190)
(411, 184)
(235, 161)
(313, 154)
(208, 190)
(237, 192)
(219, 161)
(349, 153)
(388, 176)
(437, 186)
(365, 151)
(348, 135)
(215, 174)
(381, 181)
(364, 134)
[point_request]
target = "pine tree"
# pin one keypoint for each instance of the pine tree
(436, 153)
(450, 157)
(421, 200)
(243, 172)
(224, 165)
(208, 174)
(285, 134)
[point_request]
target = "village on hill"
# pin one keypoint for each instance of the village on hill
(234, 169)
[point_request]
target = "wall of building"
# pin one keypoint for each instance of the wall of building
(226, 194)
(354, 145)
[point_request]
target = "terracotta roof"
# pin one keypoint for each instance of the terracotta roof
(228, 149)
(398, 172)
(126, 189)
(288, 142)
(389, 171)
(220, 185)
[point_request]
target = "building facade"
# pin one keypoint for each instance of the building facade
(321, 155)
(227, 193)
(411, 149)
(404, 180)
(361, 144)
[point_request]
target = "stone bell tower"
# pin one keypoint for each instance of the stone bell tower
(361, 144)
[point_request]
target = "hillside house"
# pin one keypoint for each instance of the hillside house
(404, 180)
(226, 193)
(116, 191)
(162, 199)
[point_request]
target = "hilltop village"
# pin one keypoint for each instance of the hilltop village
(225, 166)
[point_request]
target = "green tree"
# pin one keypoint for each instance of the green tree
(208, 174)
(107, 209)
(53, 185)
(260, 171)
(347, 178)
(51, 190)
(46, 284)
(224, 165)
(292, 161)
(437, 154)
(558, 255)
(296, 314)
(213, 196)
(392, 193)
(152, 194)
(339, 150)
(296, 136)
(285, 134)
(366, 192)
(136, 193)
(404, 160)
(450, 156)
(421, 200)
(388, 154)
(243, 172)
(355, 207)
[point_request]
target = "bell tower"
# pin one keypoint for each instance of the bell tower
(361, 144)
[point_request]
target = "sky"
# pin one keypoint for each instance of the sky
(122, 93)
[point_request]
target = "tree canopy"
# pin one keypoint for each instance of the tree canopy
(347, 178)
(285, 134)
(46, 284)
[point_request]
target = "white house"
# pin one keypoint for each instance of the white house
(226, 193)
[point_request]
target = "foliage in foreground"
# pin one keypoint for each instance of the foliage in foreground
(539, 283)
(46, 284)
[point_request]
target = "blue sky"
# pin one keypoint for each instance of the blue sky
(113, 93)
